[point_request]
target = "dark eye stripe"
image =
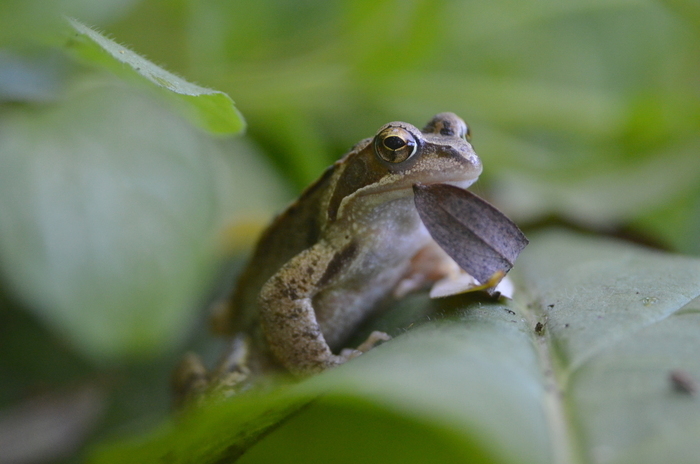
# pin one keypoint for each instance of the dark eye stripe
(361, 170)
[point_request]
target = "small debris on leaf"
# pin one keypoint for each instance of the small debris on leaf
(539, 328)
(682, 382)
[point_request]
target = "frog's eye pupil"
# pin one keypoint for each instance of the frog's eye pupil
(394, 142)
(395, 145)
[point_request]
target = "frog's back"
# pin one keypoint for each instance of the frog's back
(294, 230)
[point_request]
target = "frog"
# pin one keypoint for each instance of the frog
(350, 242)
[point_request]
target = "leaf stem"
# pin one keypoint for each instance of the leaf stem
(565, 448)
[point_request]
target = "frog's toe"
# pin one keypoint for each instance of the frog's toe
(374, 338)
(189, 379)
(372, 341)
(349, 353)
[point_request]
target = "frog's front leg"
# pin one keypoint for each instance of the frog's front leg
(287, 315)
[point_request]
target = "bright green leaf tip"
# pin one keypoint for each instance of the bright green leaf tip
(210, 109)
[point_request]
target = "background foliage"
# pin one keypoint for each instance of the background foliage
(119, 203)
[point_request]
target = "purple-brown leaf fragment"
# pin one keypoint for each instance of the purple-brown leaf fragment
(481, 239)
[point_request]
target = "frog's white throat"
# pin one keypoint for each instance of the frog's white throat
(463, 184)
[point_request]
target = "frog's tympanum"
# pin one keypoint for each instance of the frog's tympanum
(351, 240)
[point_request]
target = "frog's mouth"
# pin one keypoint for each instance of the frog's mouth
(405, 188)
(461, 183)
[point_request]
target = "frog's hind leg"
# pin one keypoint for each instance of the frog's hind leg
(287, 315)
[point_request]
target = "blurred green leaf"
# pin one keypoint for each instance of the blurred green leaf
(612, 196)
(210, 109)
(37, 76)
(688, 9)
(676, 223)
(586, 110)
(111, 225)
(583, 93)
(483, 386)
(41, 20)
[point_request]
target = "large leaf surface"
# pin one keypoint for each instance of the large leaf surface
(621, 320)
(485, 382)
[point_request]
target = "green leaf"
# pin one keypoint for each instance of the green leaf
(210, 109)
(676, 224)
(40, 20)
(610, 196)
(401, 388)
(481, 384)
(112, 209)
(557, 94)
(619, 320)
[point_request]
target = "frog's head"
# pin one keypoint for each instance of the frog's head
(440, 153)
(386, 167)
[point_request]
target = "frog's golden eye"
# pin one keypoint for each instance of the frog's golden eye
(395, 145)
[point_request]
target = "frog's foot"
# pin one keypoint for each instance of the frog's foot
(189, 380)
(374, 338)
(192, 381)
(235, 357)
(230, 383)
(232, 371)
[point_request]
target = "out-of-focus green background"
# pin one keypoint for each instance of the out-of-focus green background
(116, 212)
(587, 110)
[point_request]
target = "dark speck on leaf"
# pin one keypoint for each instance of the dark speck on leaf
(539, 328)
(682, 382)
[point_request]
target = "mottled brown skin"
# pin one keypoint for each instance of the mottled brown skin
(347, 243)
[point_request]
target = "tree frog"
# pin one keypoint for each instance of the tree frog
(350, 241)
